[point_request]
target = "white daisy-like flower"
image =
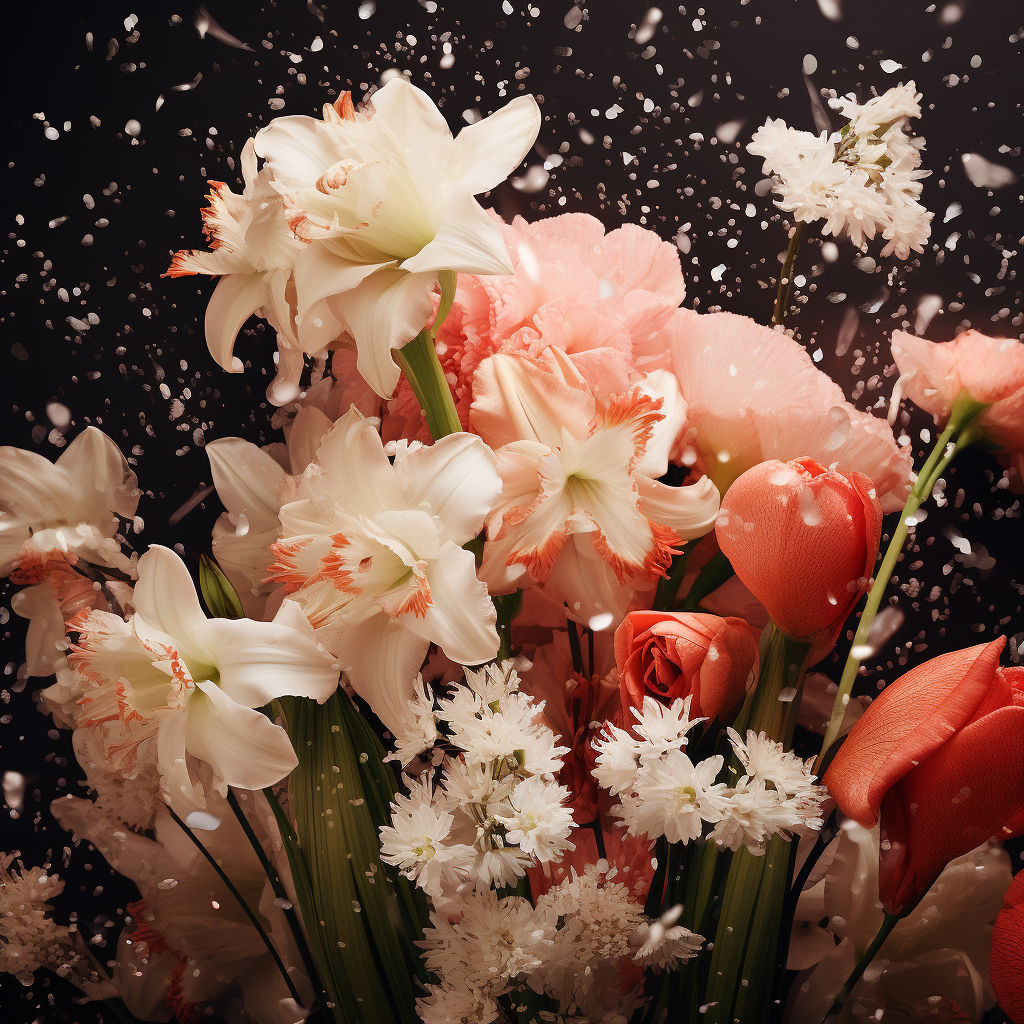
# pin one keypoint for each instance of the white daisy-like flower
(618, 759)
(540, 823)
(674, 797)
(418, 841)
(769, 761)
(450, 1005)
(418, 732)
(664, 728)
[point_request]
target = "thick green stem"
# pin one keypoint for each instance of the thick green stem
(786, 278)
(717, 570)
(936, 464)
(888, 923)
(423, 370)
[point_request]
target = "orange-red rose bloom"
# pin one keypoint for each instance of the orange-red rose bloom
(938, 759)
(1006, 964)
(803, 539)
(681, 654)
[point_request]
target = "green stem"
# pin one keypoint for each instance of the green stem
(249, 913)
(279, 892)
(423, 370)
(716, 572)
(934, 467)
(786, 278)
(574, 646)
(888, 923)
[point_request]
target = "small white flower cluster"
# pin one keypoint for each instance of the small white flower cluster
(662, 792)
(497, 808)
(30, 939)
(571, 948)
(863, 180)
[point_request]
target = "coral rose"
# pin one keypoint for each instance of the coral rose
(666, 655)
(1007, 960)
(804, 540)
(938, 758)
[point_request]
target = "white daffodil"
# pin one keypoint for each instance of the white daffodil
(582, 512)
(171, 683)
(386, 198)
(254, 253)
(373, 554)
(70, 507)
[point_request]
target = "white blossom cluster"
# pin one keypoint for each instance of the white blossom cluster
(575, 948)
(491, 808)
(864, 180)
(662, 792)
(29, 937)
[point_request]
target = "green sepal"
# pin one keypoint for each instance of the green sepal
(219, 596)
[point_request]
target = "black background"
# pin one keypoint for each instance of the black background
(656, 161)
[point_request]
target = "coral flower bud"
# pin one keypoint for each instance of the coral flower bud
(804, 540)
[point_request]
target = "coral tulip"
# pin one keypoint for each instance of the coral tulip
(1007, 960)
(938, 758)
(803, 539)
(668, 655)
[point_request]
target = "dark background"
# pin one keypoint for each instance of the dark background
(631, 109)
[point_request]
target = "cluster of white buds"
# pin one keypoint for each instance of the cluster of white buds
(572, 950)
(491, 807)
(864, 180)
(662, 792)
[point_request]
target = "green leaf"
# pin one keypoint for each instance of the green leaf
(360, 926)
(220, 597)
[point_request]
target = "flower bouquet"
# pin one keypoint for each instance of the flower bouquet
(492, 702)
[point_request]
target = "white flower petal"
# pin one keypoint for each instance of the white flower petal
(382, 660)
(690, 511)
(247, 480)
(457, 477)
(488, 151)
(468, 239)
(461, 619)
(165, 600)
(386, 311)
(259, 661)
(299, 149)
(413, 118)
(242, 746)
(234, 300)
(96, 468)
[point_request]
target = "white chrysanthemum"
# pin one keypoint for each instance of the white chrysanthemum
(446, 1005)
(618, 759)
(493, 682)
(418, 732)
(674, 797)
(765, 759)
(861, 181)
(540, 823)
(483, 943)
(418, 843)
(663, 728)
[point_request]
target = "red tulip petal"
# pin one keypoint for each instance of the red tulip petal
(906, 724)
(970, 790)
(1006, 963)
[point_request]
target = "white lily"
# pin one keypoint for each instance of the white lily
(387, 199)
(373, 554)
(182, 684)
(582, 512)
(254, 254)
(69, 507)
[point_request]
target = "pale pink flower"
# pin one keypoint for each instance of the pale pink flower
(581, 511)
(990, 370)
(753, 394)
(601, 298)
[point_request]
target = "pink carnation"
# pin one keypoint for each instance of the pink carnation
(602, 298)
